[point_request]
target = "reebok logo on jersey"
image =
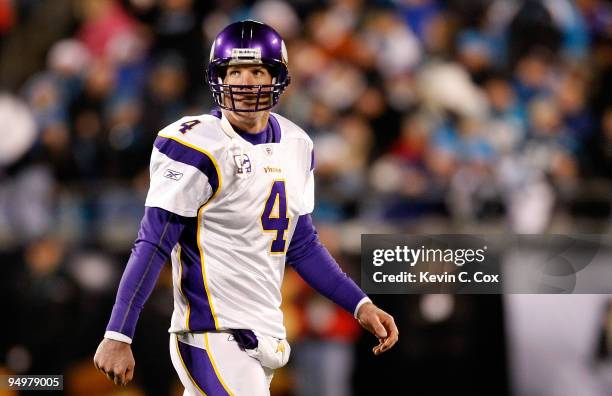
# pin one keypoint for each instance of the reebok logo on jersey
(172, 174)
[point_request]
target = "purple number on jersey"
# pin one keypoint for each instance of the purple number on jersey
(274, 216)
(187, 126)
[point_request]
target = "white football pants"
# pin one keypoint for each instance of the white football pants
(213, 364)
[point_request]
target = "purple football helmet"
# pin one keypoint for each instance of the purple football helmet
(248, 42)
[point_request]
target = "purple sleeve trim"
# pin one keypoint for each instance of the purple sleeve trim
(159, 232)
(318, 268)
(187, 155)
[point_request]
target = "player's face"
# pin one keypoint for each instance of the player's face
(246, 98)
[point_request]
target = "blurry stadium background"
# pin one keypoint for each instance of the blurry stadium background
(428, 116)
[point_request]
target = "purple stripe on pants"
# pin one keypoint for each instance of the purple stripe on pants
(200, 368)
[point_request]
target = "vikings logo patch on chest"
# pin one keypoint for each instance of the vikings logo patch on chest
(243, 164)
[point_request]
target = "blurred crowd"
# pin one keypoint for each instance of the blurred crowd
(427, 115)
(465, 110)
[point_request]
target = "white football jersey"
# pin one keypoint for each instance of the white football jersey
(228, 267)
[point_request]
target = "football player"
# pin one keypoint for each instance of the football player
(229, 203)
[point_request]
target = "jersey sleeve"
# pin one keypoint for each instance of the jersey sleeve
(183, 177)
(159, 232)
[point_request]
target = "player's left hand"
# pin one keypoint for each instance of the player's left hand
(379, 323)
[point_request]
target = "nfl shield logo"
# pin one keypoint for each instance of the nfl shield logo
(268, 150)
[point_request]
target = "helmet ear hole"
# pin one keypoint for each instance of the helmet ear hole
(221, 72)
(273, 70)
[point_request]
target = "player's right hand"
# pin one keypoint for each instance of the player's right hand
(115, 359)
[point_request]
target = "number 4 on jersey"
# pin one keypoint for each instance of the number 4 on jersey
(188, 126)
(274, 216)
